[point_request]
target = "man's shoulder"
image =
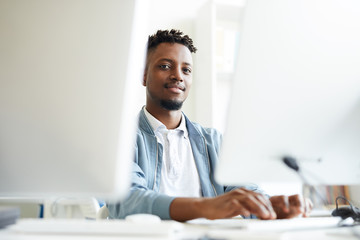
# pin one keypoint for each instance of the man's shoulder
(207, 132)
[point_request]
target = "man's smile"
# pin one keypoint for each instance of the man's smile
(175, 88)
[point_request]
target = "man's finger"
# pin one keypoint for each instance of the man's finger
(308, 207)
(281, 203)
(297, 204)
(266, 202)
(256, 207)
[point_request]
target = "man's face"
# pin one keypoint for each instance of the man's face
(168, 75)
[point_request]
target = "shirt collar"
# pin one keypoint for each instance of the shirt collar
(182, 126)
(154, 123)
(157, 125)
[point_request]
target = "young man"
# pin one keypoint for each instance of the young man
(173, 172)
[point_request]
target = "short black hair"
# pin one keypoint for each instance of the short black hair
(172, 36)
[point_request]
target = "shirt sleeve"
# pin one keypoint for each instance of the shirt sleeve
(141, 199)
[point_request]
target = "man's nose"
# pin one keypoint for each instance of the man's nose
(177, 74)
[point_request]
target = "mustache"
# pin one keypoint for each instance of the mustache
(175, 85)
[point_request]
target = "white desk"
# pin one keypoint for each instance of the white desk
(187, 231)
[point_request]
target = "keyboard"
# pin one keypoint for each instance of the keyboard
(91, 227)
(278, 225)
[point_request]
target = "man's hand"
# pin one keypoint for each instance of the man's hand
(240, 202)
(291, 206)
(237, 202)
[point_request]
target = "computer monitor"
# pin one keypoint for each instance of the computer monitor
(296, 92)
(69, 74)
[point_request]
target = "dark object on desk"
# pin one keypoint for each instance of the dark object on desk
(347, 211)
(343, 212)
(8, 215)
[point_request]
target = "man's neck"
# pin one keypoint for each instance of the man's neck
(171, 119)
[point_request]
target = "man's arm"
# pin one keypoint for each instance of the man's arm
(141, 199)
(239, 202)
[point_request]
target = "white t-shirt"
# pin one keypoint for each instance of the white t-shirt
(179, 175)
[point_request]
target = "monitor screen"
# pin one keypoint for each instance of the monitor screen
(69, 73)
(296, 93)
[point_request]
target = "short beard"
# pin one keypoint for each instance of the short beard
(171, 105)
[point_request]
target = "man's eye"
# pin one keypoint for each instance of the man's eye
(187, 70)
(164, 66)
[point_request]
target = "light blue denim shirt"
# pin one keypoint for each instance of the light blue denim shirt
(144, 196)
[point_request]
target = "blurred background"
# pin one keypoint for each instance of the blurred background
(215, 27)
